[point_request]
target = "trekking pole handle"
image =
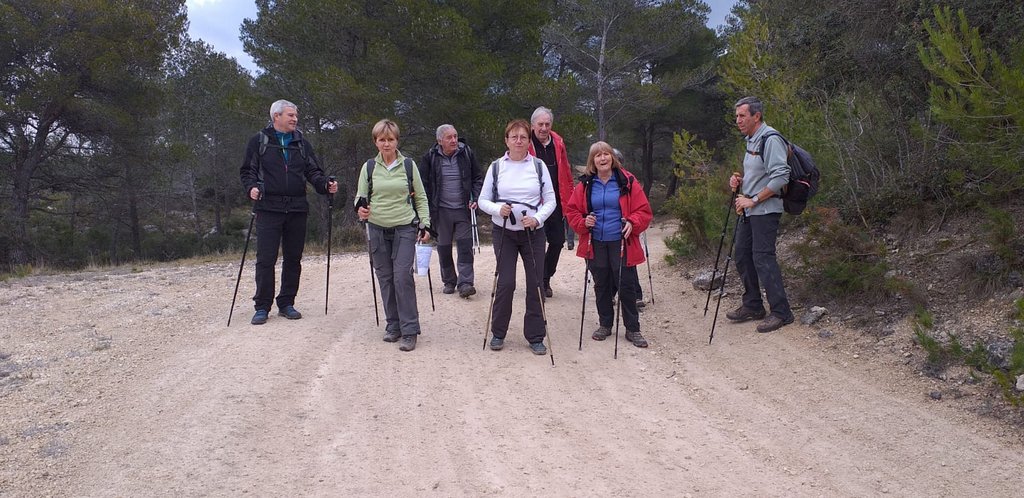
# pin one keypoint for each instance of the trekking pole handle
(330, 197)
(259, 191)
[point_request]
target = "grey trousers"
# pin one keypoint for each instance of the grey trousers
(454, 225)
(757, 265)
(394, 250)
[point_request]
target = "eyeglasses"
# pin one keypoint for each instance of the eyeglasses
(518, 138)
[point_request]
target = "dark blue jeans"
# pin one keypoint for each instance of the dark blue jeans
(757, 265)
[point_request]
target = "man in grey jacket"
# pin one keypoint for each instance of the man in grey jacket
(452, 179)
(765, 174)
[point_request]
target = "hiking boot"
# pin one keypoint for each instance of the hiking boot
(744, 314)
(497, 343)
(571, 244)
(547, 291)
(538, 348)
(640, 304)
(392, 335)
(466, 291)
(636, 338)
(771, 323)
(260, 317)
(408, 343)
(289, 312)
(449, 289)
(601, 333)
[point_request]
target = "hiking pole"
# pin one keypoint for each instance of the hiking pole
(586, 283)
(721, 240)
(618, 291)
(252, 218)
(725, 272)
(330, 211)
(494, 283)
(540, 292)
(647, 256)
(369, 252)
(475, 228)
(430, 282)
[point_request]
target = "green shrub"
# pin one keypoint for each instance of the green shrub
(844, 260)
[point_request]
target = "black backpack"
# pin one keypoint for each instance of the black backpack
(804, 176)
(537, 163)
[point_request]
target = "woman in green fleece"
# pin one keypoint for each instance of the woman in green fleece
(392, 201)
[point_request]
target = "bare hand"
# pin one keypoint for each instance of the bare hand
(472, 206)
(744, 203)
(530, 222)
(735, 181)
(590, 220)
(424, 236)
(506, 210)
(364, 213)
(332, 187)
(627, 229)
(254, 194)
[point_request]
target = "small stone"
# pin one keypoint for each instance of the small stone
(936, 395)
(825, 334)
(704, 282)
(1020, 382)
(856, 356)
(813, 315)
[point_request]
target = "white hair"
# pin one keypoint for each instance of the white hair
(444, 128)
(541, 110)
(279, 106)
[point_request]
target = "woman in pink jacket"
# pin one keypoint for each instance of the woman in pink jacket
(609, 207)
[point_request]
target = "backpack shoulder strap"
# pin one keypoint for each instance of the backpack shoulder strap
(370, 163)
(537, 163)
(588, 186)
(764, 139)
(264, 140)
(494, 180)
(408, 176)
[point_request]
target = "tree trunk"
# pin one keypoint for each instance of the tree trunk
(647, 160)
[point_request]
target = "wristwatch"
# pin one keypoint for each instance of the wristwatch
(756, 199)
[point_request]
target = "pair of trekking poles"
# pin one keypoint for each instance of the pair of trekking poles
(248, 235)
(537, 268)
(725, 271)
(618, 304)
(330, 224)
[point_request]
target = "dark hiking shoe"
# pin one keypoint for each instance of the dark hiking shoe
(640, 304)
(548, 292)
(466, 291)
(538, 348)
(449, 289)
(260, 317)
(408, 343)
(744, 314)
(601, 333)
(497, 343)
(771, 323)
(392, 336)
(636, 338)
(571, 244)
(289, 312)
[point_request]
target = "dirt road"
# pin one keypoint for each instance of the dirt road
(129, 384)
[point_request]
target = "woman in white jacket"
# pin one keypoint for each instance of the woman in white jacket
(517, 193)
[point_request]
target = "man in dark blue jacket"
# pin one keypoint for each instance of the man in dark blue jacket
(278, 163)
(452, 179)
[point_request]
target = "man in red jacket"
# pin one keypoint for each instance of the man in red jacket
(547, 146)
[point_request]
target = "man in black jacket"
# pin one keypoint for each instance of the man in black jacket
(278, 163)
(452, 179)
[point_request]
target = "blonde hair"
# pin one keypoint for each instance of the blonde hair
(385, 127)
(598, 147)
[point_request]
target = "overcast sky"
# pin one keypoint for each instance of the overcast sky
(217, 22)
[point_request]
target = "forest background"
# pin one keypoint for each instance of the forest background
(121, 138)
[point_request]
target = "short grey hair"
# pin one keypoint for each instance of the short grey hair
(279, 107)
(541, 110)
(754, 105)
(444, 128)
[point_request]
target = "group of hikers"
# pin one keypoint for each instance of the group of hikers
(532, 199)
